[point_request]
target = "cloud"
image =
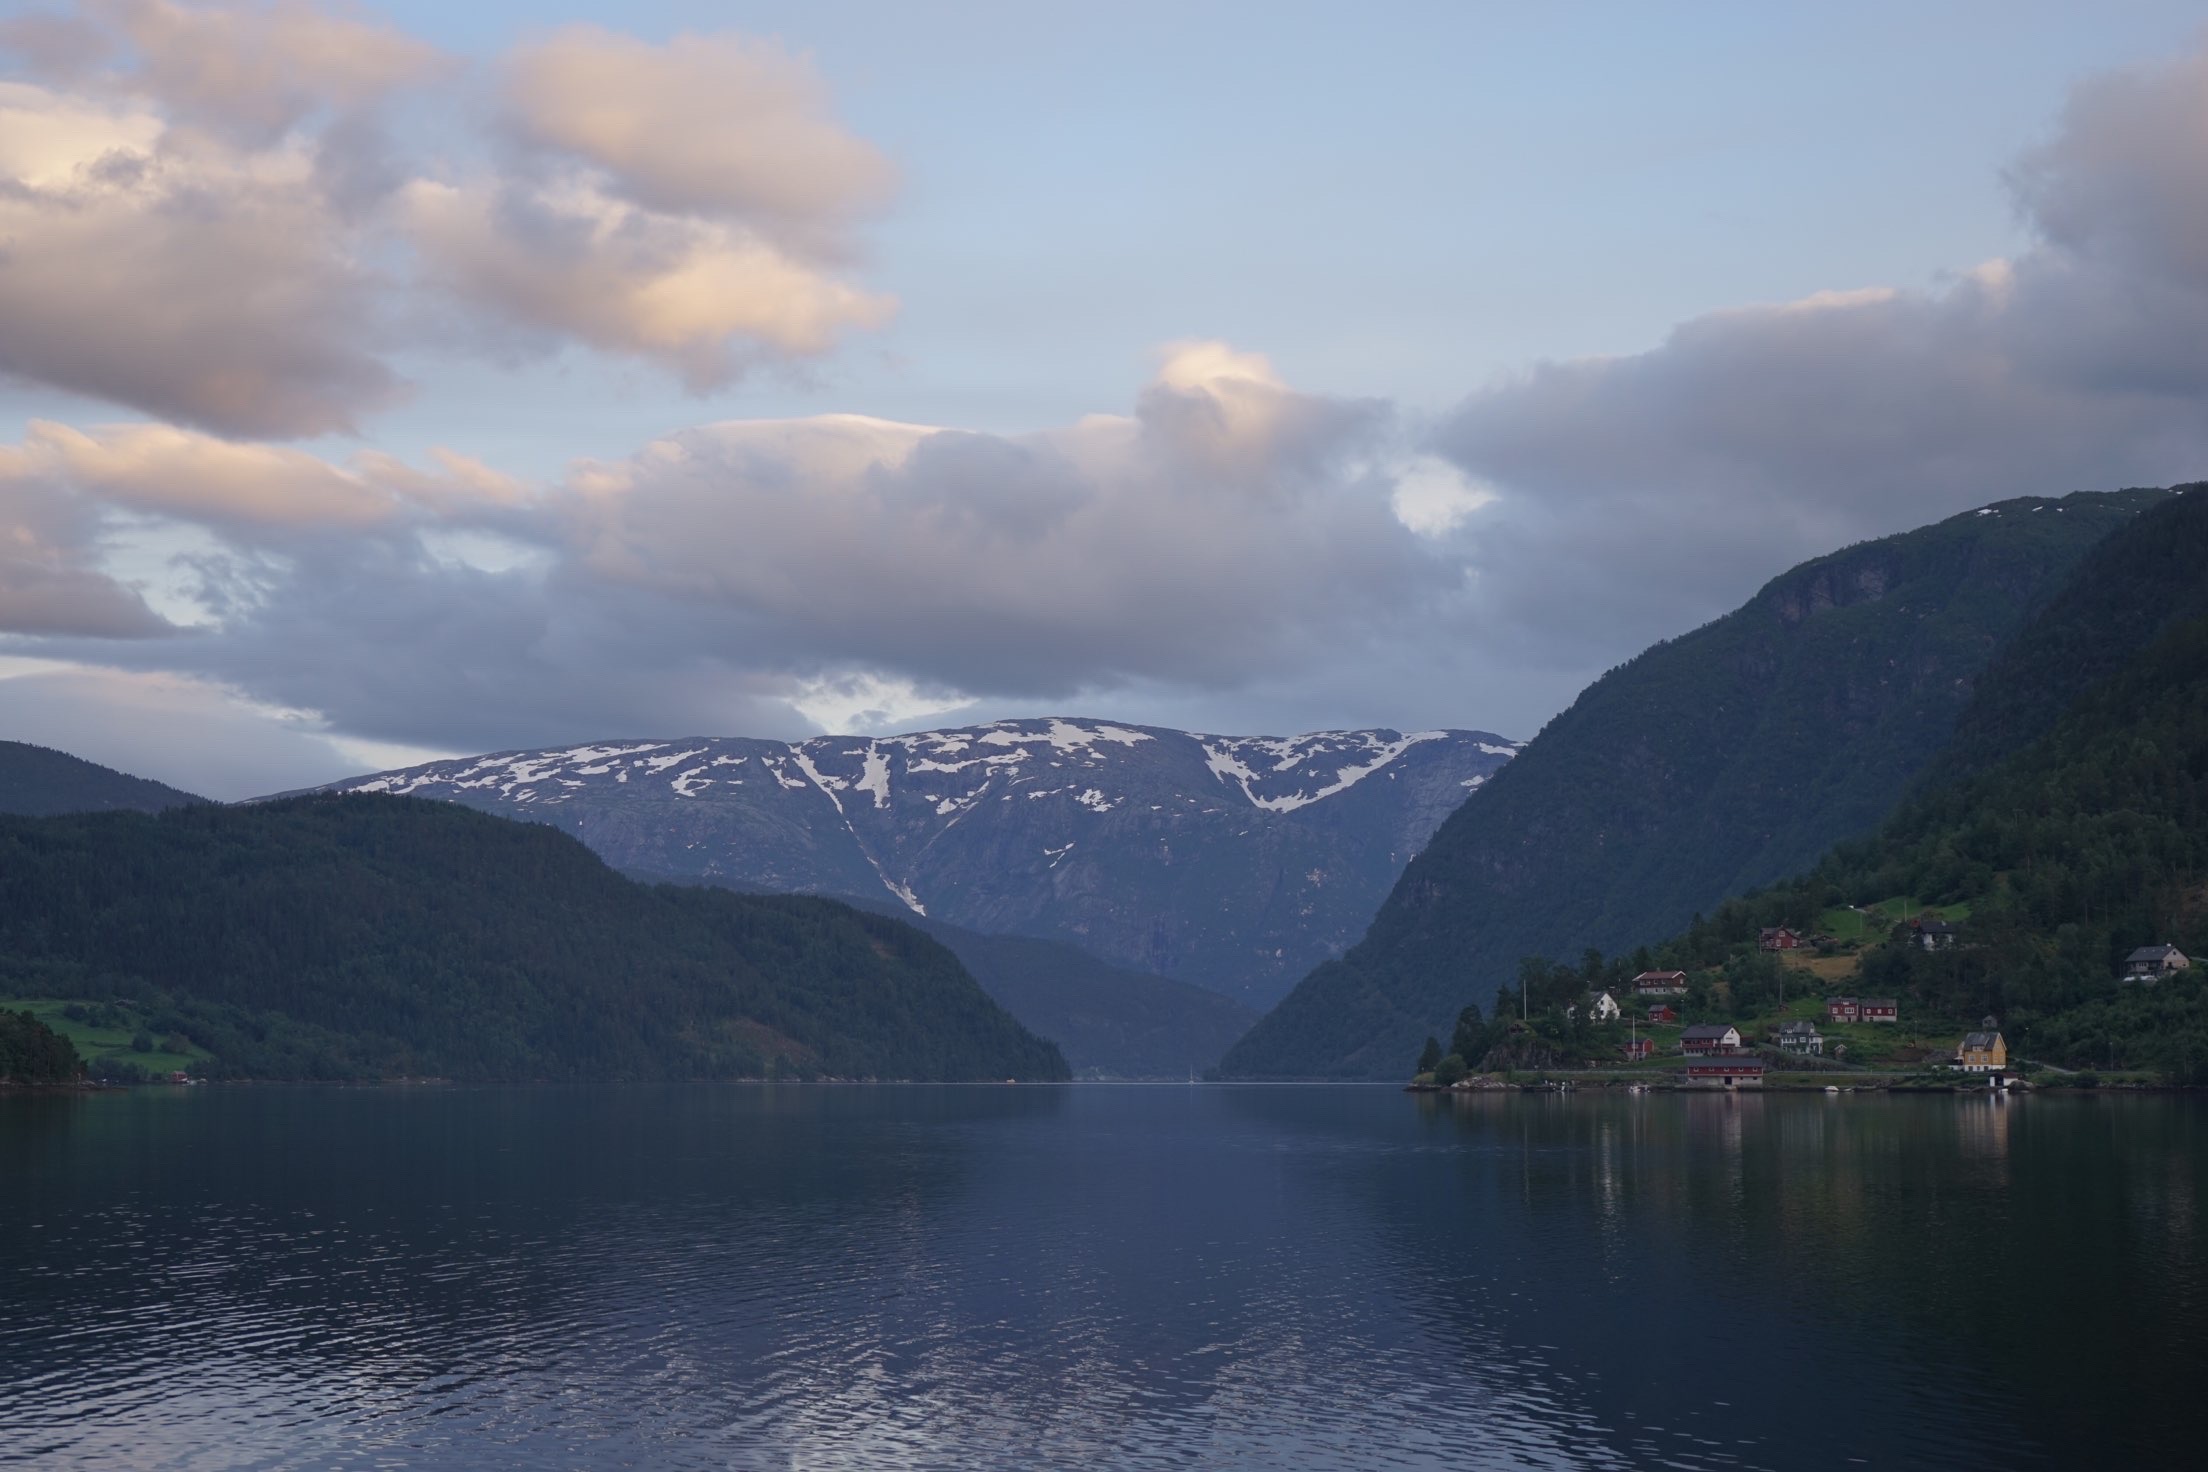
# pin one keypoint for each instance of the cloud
(689, 203)
(255, 71)
(717, 126)
(705, 299)
(1639, 494)
(1226, 527)
(203, 285)
(203, 217)
(188, 733)
(735, 575)
(51, 580)
(233, 487)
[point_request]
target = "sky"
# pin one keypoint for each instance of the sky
(388, 381)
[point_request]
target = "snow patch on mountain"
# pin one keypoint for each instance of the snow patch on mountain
(1328, 759)
(938, 816)
(875, 778)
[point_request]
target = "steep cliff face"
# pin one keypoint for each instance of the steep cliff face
(1233, 862)
(1709, 764)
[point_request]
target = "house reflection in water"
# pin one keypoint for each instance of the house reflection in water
(1982, 1125)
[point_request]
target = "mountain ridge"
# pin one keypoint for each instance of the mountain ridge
(2064, 827)
(39, 782)
(1709, 764)
(1230, 862)
(358, 936)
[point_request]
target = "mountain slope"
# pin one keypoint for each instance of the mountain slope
(369, 936)
(1110, 1022)
(1234, 863)
(37, 782)
(2090, 838)
(1706, 766)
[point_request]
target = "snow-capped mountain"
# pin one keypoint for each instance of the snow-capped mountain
(1233, 862)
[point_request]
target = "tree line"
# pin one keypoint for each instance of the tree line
(368, 936)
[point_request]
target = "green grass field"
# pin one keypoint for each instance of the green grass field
(1871, 922)
(98, 1043)
(1876, 1045)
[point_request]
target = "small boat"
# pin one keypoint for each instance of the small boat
(1832, 1088)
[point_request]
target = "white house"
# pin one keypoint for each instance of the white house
(1601, 1007)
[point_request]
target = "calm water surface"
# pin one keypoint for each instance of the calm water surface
(785, 1277)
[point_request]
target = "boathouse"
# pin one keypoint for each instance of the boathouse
(1726, 1073)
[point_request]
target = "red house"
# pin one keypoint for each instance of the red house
(1661, 984)
(1778, 938)
(1638, 1049)
(1880, 1009)
(1726, 1073)
(1843, 1009)
(1662, 1012)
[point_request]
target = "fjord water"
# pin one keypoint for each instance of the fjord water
(1108, 1276)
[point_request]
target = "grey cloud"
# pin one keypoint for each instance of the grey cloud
(1671, 482)
(50, 581)
(1214, 535)
(1221, 535)
(37, 597)
(56, 44)
(390, 645)
(183, 732)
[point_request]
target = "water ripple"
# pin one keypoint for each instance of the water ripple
(1127, 1278)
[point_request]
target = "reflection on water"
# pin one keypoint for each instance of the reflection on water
(1011, 1277)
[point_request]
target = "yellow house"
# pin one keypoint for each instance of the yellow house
(1983, 1052)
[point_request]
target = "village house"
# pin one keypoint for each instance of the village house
(1778, 938)
(1801, 1037)
(1935, 935)
(1983, 1051)
(1660, 984)
(1843, 1009)
(1726, 1073)
(1710, 1038)
(1601, 1007)
(1638, 1050)
(2149, 964)
(1663, 1012)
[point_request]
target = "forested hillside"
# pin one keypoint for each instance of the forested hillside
(376, 937)
(33, 1053)
(37, 782)
(2064, 857)
(1708, 765)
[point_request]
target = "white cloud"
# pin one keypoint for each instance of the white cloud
(190, 280)
(722, 127)
(254, 71)
(205, 220)
(704, 298)
(180, 473)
